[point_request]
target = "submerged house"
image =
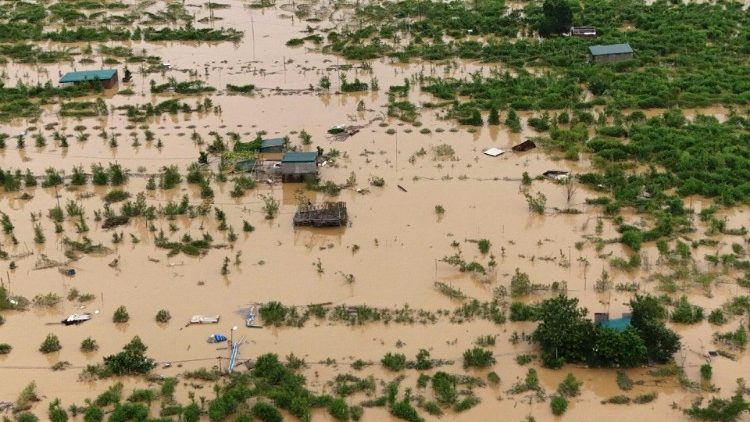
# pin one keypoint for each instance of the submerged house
(620, 324)
(296, 166)
(107, 77)
(610, 53)
(274, 145)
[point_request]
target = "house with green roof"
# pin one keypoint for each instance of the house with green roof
(107, 77)
(610, 53)
(296, 166)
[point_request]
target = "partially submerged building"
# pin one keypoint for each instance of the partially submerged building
(107, 77)
(296, 166)
(327, 214)
(273, 145)
(583, 31)
(619, 324)
(610, 53)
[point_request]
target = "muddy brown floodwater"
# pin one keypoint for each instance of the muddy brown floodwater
(398, 237)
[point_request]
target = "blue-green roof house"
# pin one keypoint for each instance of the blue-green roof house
(296, 166)
(611, 53)
(107, 77)
(272, 145)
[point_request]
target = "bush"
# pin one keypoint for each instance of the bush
(478, 358)
(163, 316)
(50, 344)
(444, 387)
(559, 405)
(5, 348)
(685, 313)
(338, 409)
(569, 387)
(89, 345)
(716, 317)
(493, 378)
(706, 372)
(131, 360)
(394, 361)
(121, 315)
(266, 412)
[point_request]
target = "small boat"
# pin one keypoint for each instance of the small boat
(250, 318)
(76, 319)
(204, 319)
(217, 338)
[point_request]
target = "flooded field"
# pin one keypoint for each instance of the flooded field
(441, 195)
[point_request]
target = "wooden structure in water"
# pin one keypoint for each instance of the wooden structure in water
(327, 214)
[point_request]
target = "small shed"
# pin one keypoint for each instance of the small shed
(583, 31)
(611, 53)
(107, 77)
(272, 145)
(296, 166)
(619, 324)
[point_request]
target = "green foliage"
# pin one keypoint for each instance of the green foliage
(618, 348)
(163, 316)
(559, 405)
(706, 372)
(685, 313)
(444, 387)
(89, 345)
(50, 344)
(132, 360)
(564, 334)
(520, 284)
(661, 343)
(121, 315)
(394, 361)
(569, 387)
(478, 358)
(266, 412)
(724, 410)
(716, 317)
(557, 18)
(56, 413)
(5, 348)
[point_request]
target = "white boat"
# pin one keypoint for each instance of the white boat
(204, 319)
(76, 319)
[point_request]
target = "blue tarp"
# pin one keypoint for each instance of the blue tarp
(217, 338)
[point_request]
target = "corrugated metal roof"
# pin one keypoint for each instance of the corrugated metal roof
(619, 324)
(273, 142)
(603, 50)
(299, 157)
(88, 75)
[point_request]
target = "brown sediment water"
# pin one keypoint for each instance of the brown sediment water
(398, 237)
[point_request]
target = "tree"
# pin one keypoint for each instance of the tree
(564, 333)
(558, 18)
(494, 117)
(131, 360)
(618, 348)
(661, 342)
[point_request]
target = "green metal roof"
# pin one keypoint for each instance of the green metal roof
(274, 142)
(88, 75)
(299, 157)
(619, 324)
(603, 50)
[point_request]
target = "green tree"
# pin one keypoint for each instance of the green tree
(661, 342)
(618, 348)
(557, 19)
(131, 360)
(494, 117)
(564, 333)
